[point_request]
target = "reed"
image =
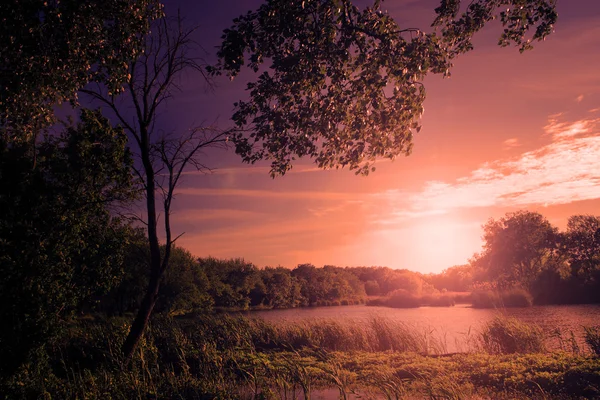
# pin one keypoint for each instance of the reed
(592, 338)
(372, 335)
(506, 335)
(229, 357)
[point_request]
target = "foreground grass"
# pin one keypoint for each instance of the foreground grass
(229, 358)
(454, 376)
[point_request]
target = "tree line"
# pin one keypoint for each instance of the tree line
(522, 250)
(205, 284)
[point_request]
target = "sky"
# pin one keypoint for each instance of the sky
(507, 131)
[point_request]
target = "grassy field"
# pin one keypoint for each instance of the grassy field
(231, 357)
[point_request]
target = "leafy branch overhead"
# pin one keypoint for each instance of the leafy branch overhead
(51, 49)
(343, 85)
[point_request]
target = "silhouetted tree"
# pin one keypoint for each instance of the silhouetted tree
(153, 77)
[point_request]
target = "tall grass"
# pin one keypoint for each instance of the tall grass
(592, 338)
(372, 335)
(230, 357)
(506, 335)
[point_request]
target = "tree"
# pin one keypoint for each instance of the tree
(282, 289)
(185, 285)
(458, 278)
(51, 49)
(517, 248)
(583, 245)
(405, 280)
(372, 288)
(231, 281)
(344, 85)
(152, 79)
(59, 243)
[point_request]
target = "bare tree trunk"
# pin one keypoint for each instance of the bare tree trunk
(143, 316)
(151, 82)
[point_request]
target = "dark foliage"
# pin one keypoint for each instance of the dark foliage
(59, 243)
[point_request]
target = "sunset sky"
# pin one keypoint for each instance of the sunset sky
(507, 131)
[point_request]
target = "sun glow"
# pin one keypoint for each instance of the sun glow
(442, 241)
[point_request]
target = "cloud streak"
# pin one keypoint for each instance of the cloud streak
(511, 143)
(564, 171)
(266, 194)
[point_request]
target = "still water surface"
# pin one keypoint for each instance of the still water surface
(455, 326)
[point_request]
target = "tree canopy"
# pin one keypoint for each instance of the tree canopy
(517, 248)
(583, 243)
(344, 85)
(51, 49)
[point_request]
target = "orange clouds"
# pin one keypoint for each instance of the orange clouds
(564, 171)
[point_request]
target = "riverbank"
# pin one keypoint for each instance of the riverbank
(231, 357)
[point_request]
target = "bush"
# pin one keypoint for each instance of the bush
(592, 338)
(505, 335)
(376, 302)
(402, 299)
(485, 299)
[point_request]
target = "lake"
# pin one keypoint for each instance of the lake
(453, 326)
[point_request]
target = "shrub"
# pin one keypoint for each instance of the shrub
(376, 302)
(485, 299)
(505, 335)
(402, 299)
(592, 338)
